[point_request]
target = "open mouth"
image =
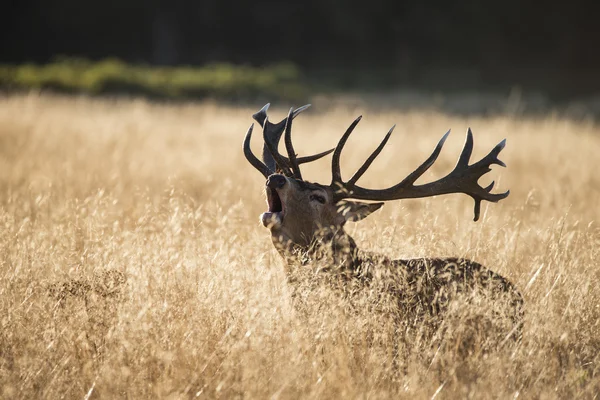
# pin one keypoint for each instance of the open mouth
(274, 216)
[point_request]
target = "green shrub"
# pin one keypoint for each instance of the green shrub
(111, 76)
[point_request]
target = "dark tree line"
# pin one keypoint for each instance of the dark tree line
(510, 40)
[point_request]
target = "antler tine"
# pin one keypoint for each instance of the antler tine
(256, 163)
(465, 154)
(417, 173)
(307, 159)
(261, 115)
(290, 147)
(493, 198)
(299, 110)
(462, 179)
(371, 158)
(336, 173)
(492, 157)
(271, 144)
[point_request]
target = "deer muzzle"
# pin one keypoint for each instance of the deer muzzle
(273, 218)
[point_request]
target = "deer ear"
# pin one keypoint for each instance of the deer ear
(355, 211)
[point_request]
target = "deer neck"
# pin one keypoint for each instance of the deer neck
(331, 249)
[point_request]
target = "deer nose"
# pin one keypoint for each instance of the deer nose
(276, 181)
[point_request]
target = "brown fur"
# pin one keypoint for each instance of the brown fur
(311, 236)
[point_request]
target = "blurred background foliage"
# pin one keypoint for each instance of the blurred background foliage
(222, 81)
(260, 46)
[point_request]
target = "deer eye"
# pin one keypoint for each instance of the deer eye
(318, 198)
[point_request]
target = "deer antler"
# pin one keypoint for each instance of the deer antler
(273, 161)
(256, 163)
(462, 179)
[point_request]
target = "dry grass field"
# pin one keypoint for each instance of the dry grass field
(133, 264)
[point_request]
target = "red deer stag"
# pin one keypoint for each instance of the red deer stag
(307, 221)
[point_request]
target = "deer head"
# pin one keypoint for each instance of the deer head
(298, 211)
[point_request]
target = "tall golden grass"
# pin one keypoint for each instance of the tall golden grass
(133, 264)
